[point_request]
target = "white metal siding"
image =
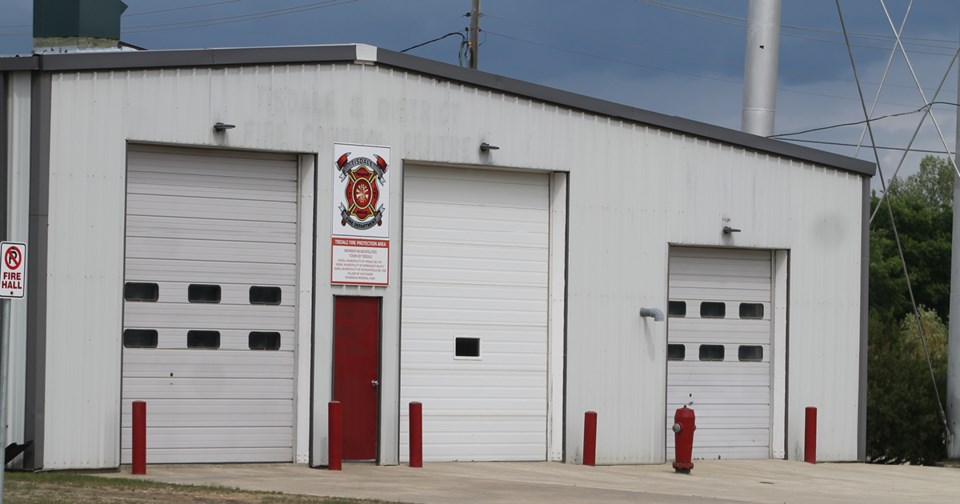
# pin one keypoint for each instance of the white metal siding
(227, 220)
(18, 214)
(632, 190)
(731, 398)
(475, 264)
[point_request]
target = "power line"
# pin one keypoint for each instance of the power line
(173, 9)
(235, 19)
(856, 123)
(434, 40)
(880, 147)
(158, 11)
(662, 69)
(646, 49)
(740, 21)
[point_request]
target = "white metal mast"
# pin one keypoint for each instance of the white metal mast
(953, 342)
(760, 67)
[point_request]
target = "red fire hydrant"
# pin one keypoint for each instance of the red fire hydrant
(684, 423)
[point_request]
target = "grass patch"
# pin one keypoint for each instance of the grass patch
(74, 488)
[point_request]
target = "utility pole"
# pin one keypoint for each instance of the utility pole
(474, 33)
(953, 340)
(760, 67)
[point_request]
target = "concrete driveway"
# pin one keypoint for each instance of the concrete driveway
(766, 481)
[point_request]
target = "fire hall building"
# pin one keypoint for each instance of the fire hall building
(240, 236)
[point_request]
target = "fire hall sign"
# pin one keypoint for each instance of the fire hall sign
(13, 269)
(360, 237)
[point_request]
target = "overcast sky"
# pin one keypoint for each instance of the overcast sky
(678, 57)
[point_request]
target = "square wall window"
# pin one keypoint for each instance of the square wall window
(467, 348)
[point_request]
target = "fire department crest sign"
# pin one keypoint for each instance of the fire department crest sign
(361, 192)
(361, 208)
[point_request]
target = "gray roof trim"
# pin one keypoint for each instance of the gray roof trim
(19, 63)
(127, 60)
(349, 53)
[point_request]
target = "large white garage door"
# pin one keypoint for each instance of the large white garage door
(474, 312)
(719, 336)
(209, 304)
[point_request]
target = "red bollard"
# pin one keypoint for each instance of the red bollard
(139, 438)
(416, 434)
(590, 438)
(684, 425)
(810, 438)
(335, 436)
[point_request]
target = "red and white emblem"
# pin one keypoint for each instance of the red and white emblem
(361, 209)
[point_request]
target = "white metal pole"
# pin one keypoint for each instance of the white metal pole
(953, 342)
(760, 67)
(4, 351)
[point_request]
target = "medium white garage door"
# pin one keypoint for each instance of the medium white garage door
(718, 356)
(209, 304)
(474, 312)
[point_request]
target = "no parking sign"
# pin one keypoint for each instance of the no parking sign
(13, 269)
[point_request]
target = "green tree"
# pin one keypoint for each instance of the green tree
(923, 211)
(903, 417)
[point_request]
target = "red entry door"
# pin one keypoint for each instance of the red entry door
(356, 377)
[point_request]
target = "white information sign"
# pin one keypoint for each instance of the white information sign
(13, 269)
(361, 215)
(358, 261)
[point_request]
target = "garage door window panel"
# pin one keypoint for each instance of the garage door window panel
(750, 353)
(751, 311)
(711, 353)
(263, 295)
(467, 348)
(203, 293)
(140, 338)
(676, 352)
(710, 309)
(677, 308)
(260, 340)
(140, 291)
(209, 340)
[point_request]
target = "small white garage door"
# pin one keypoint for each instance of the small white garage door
(209, 304)
(474, 312)
(718, 356)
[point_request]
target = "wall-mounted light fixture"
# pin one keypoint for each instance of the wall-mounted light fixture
(485, 147)
(728, 230)
(221, 127)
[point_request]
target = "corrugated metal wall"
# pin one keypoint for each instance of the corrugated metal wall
(633, 191)
(18, 209)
